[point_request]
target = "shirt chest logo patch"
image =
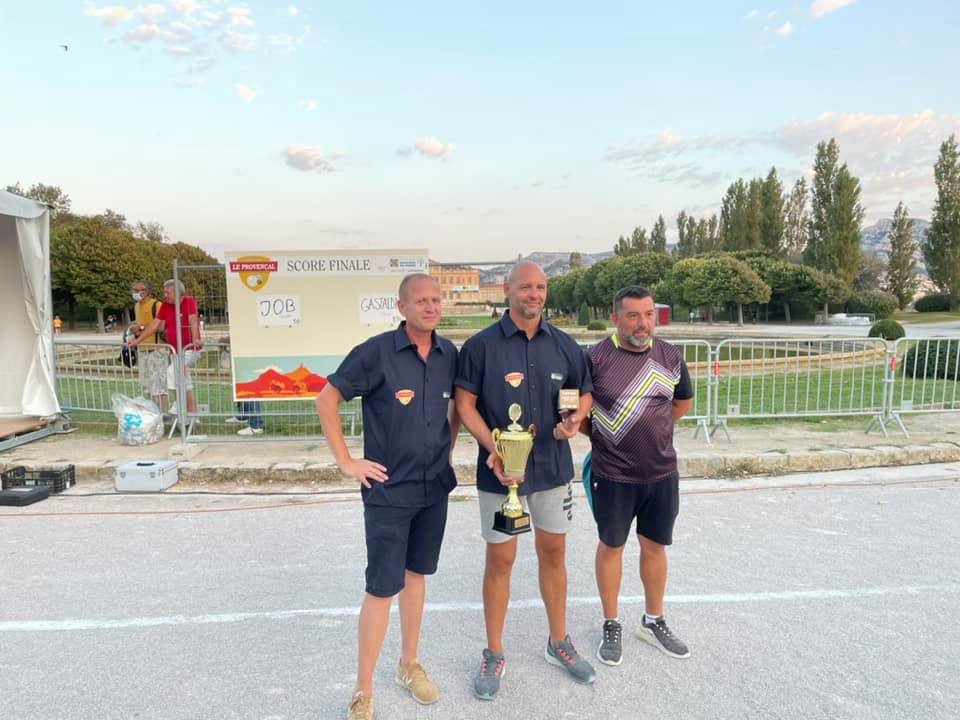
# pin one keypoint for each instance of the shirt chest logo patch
(404, 396)
(513, 379)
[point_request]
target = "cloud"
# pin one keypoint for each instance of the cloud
(151, 12)
(240, 17)
(185, 7)
(668, 145)
(893, 155)
(245, 93)
(110, 15)
(405, 151)
(210, 20)
(237, 43)
(751, 15)
(308, 105)
(785, 29)
(293, 10)
(180, 51)
(200, 64)
(181, 29)
(289, 43)
(193, 83)
(311, 159)
(148, 32)
(432, 147)
(690, 174)
(824, 7)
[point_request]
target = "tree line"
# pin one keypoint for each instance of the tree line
(95, 258)
(790, 248)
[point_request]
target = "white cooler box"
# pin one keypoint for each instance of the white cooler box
(152, 476)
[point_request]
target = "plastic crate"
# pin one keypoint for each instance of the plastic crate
(56, 480)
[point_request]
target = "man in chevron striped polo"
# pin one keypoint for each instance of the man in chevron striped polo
(641, 387)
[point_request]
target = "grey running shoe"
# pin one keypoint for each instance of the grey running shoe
(610, 651)
(566, 656)
(487, 682)
(662, 638)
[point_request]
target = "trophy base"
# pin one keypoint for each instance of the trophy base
(511, 525)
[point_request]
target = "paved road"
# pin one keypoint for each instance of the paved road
(803, 602)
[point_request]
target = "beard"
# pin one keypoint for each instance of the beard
(639, 343)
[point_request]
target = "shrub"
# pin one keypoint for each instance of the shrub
(934, 302)
(560, 321)
(881, 304)
(887, 329)
(584, 318)
(597, 325)
(933, 359)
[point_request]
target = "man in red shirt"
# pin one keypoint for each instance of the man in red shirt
(183, 334)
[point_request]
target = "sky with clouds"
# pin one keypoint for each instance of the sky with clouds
(478, 132)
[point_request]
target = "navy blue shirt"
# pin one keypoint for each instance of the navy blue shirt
(501, 366)
(405, 423)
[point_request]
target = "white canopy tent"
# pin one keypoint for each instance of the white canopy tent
(27, 387)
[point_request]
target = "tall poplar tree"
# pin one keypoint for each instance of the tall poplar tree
(941, 250)
(796, 219)
(772, 214)
(658, 236)
(685, 236)
(901, 282)
(638, 241)
(833, 242)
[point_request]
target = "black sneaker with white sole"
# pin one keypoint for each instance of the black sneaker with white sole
(610, 651)
(661, 637)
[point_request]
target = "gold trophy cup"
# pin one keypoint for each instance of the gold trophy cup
(513, 447)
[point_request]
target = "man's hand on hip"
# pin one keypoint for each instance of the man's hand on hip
(364, 470)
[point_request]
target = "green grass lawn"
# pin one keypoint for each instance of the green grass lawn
(915, 318)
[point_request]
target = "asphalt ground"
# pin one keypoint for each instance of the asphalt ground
(817, 596)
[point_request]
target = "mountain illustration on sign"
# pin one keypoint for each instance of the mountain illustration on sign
(301, 383)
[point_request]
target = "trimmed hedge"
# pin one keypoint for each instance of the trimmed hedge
(881, 304)
(887, 329)
(934, 302)
(597, 325)
(933, 359)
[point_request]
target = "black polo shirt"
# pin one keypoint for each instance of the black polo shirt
(405, 425)
(501, 366)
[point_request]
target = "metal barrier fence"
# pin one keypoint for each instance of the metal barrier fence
(697, 354)
(925, 372)
(780, 378)
(735, 379)
(89, 373)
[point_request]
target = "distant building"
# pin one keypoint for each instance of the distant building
(492, 293)
(458, 283)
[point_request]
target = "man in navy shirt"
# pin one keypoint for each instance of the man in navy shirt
(405, 378)
(523, 359)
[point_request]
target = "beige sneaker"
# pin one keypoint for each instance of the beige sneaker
(414, 678)
(360, 707)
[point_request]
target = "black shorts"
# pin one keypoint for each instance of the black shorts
(400, 539)
(655, 507)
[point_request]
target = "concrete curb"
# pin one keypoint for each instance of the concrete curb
(710, 465)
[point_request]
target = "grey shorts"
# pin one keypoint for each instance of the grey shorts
(153, 372)
(550, 510)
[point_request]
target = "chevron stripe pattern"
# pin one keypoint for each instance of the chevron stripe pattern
(653, 384)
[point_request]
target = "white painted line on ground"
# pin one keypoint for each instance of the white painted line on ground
(14, 626)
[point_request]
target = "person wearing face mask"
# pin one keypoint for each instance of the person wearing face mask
(152, 361)
(641, 387)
